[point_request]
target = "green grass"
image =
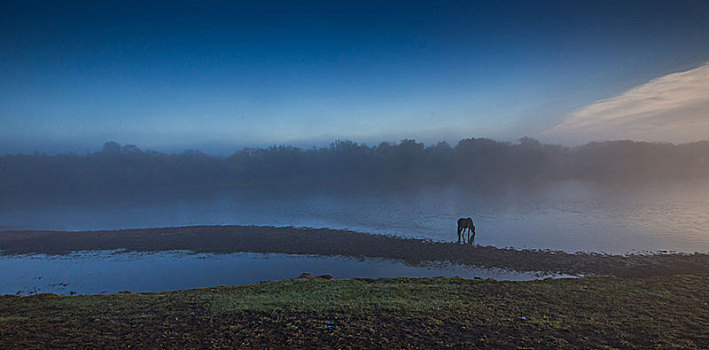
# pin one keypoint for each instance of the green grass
(347, 295)
(591, 312)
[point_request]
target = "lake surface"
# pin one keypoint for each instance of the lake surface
(569, 216)
(110, 272)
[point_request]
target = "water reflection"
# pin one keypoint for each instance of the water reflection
(111, 272)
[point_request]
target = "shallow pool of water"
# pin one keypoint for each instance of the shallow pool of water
(99, 272)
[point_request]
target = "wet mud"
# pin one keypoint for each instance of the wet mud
(329, 242)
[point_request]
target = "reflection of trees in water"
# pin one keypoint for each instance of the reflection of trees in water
(346, 164)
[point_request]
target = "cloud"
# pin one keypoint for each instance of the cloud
(672, 108)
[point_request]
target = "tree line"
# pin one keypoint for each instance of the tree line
(346, 164)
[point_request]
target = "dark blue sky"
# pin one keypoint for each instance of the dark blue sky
(216, 76)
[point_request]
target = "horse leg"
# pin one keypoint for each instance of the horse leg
(458, 234)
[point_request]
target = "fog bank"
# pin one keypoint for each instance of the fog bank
(117, 169)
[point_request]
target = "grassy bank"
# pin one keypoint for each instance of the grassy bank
(590, 312)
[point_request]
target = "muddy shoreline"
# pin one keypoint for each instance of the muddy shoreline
(329, 242)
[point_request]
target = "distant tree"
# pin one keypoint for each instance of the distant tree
(111, 147)
(130, 149)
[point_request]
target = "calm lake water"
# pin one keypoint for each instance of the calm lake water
(570, 216)
(108, 272)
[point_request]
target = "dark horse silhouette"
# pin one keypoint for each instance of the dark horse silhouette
(463, 224)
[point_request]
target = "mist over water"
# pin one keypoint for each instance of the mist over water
(569, 215)
(612, 197)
